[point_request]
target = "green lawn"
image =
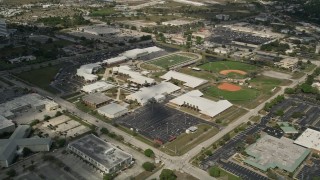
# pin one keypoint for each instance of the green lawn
(245, 94)
(170, 60)
(42, 77)
(226, 65)
(103, 12)
(185, 142)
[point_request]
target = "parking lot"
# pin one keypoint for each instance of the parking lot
(241, 171)
(309, 172)
(159, 122)
(310, 112)
(63, 125)
(47, 171)
(223, 35)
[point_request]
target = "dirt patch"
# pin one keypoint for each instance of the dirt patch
(229, 87)
(226, 72)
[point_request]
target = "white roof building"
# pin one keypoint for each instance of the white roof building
(135, 53)
(17, 141)
(147, 93)
(86, 71)
(9, 108)
(135, 77)
(6, 125)
(112, 110)
(97, 87)
(22, 58)
(205, 106)
(153, 49)
(190, 81)
(3, 28)
(99, 30)
(115, 60)
(309, 138)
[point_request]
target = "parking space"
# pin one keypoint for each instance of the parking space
(224, 35)
(159, 122)
(62, 125)
(28, 115)
(309, 172)
(81, 167)
(242, 172)
(47, 171)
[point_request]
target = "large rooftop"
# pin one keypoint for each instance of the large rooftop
(96, 98)
(271, 152)
(190, 81)
(309, 138)
(205, 106)
(147, 93)
(99, 150)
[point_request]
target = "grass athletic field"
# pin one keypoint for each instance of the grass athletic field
(245, 94)
(220, 66)
(172, 59)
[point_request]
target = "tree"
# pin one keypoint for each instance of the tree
(104, 130)
(214, 171)
(58, 113)
(250, 139)
(108, 177)
(226, 137)
(11, 173)
(26, 152)
(148, 166)
(46, 117)
(148, 153)
(167, 174)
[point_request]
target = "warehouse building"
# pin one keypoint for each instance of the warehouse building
(9, 108)
(133, 76)
(99, 30)
(10, 148)
(271, 152)
(96, 100)
(288, 63)
(112, 110)
(310, 138)
(98, 86)
(114, 61)
(158, 92)
(6, 125)
(22, 59)
(205, 106)
(135, 53)
(188, 80)
(87, 72)
(3, 28)
(101, 154)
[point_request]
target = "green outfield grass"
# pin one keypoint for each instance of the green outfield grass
(171, 60)
(244, 95)
(228, 65)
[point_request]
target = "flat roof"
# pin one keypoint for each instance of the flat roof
(135, 76)
(206, 106)
(4, 122)
(99, 150)
(33, 99)
(190, 81)
(18, 138)
(147, 93)
(310, 138)
(112, 108)
(86, 71)
(287, 128)
(133, 53)
(115, 60)
(99, 85)
(96, 98)
(271, 152)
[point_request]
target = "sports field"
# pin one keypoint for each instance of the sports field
(172, 60)
(243, 95)
(237, 68)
